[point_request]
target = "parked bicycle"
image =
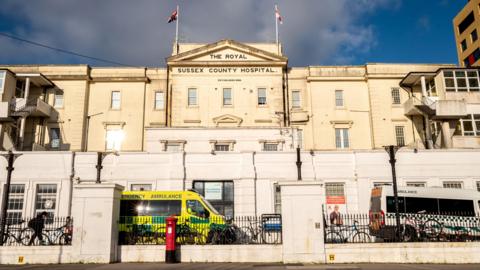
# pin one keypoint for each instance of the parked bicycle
(15, 234)
(259, 232)
(189, 234)
(416, 228)
(347, 234)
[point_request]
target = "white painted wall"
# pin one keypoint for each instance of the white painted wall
(252, 173)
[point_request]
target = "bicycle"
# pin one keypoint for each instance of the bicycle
(415, 228)
(190, 235)
(58, 236)
(347, 232)
(259, 233)
(17, 235)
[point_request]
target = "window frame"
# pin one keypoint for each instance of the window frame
(396, 96)
(52, 139)
(294, 101)
(192, 90)
(3, 77)
(17, 212)
(224, 201)
(472, 35)
(344, 142)
(53, 211)
(112, 100)
(155, 100)
(220, 145)
(268, 147)
(339, 99)
(474, 119)
(451, 184)
(400, 140)
(466, 77)
(231, 97)
(259, 97)
(277, 198)
(120, 142)
(55, 102)
(463, 45)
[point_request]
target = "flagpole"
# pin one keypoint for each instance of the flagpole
(176, 30)
(276, 30)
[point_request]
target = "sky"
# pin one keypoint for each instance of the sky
(314, 32)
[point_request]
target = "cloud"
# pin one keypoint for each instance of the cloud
(315, 32)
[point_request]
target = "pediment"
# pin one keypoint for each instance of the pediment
(226, 51)
(227, 119)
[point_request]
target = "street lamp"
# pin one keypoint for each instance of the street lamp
(11, 157)
(392, 150)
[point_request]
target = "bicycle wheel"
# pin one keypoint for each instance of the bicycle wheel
(246, 235)
(270, 237)
(409, 233)
(333, 238)
(8, 239)
(65, 239)
(432, 228)
(361, 237)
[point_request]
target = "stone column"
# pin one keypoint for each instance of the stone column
(302, 222)
(95, 212)
(446, 137)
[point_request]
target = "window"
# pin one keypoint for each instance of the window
(55, 138)
(478, 185)
(116, 100)
(431, 89)
(163, 208)
(262, 96)
(2, 80)
(270, 146)
(159, 101)
(461, 81)
(466, 23)
(114, 139)
(15, 203)
(227, 96)
(339, 98)
(381, 184)
(46, 199)
(296, 102)
(341, 138)
(335, 189)
(416, 184)
(472, 58)
(173, 147)
(396, 96)
(277, 199)
(196, 208)
(400, 135)
(464, 45)
(58, 100)
(453, 184)
(469, 126)
(141, 187)
(192, 97)
(474, 35)
(456, 207)
(219, 194)
(222, 147)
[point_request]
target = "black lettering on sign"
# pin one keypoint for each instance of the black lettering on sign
(233, 56)
(166, 196)
(190, 70)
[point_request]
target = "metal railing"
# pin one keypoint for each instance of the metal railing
(370, 228)
(242, 230)
(31, 232)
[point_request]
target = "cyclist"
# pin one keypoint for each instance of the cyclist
(37, 224)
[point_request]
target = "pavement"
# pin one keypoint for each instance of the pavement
(239, 266)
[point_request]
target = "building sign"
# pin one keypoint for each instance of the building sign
(213, 191)
(226, 70)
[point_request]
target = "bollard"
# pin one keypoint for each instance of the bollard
(170, 249)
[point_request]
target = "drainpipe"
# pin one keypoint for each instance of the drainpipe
(184, 171)
(72, 175)
(299, 165)
(254, 181)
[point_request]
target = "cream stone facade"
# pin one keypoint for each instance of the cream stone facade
(466, 26)
(229, 92)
